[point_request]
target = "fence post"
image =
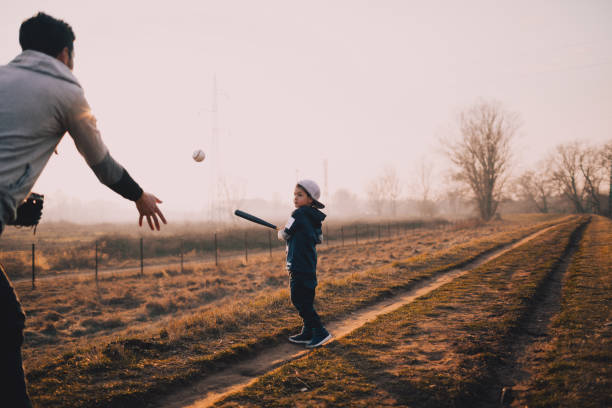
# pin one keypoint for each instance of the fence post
(33, 265)
(357, 234)
(246, 248)
(96, 260)
(342, 234)
(216, 251)
(379, 231)
(182, 250)
(270, 242)
(141, 258)
(326, 234)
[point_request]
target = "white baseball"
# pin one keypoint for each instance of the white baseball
(198, 155)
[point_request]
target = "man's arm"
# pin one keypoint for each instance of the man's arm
(83, 129)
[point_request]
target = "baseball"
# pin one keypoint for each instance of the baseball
(198, 155)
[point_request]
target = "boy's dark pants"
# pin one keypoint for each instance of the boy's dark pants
(302, 297)
(12, 380)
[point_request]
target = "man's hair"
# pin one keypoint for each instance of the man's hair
(46, 34)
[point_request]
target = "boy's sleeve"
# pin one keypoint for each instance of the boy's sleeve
(292, 225)
(294, 222)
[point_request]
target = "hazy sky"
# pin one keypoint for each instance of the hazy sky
(363, 84)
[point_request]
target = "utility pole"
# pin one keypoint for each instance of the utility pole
(610, 193)
(214, 147)
(325, 185)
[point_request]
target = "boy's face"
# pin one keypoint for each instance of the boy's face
(300, 197)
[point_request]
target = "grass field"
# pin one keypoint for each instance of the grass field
(457, 346)
(127, 339)
(576, 369)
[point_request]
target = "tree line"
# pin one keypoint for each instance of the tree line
(572, 178)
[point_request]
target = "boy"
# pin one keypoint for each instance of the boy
(303, 233)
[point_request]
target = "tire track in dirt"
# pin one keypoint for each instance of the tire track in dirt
(530, 346)
(238, 375)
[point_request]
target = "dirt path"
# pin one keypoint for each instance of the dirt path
(239, 375)
(534, 341)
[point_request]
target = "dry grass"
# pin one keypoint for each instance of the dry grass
(440, 351)
(127, 337)
(577, 370)
(63, 248)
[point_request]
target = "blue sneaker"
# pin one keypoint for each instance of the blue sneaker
(303, 338)
(319, 337)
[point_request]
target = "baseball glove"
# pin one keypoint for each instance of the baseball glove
(29, 211)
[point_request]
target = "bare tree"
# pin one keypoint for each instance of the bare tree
(593, 169)
(391, 188)
(454, 200)
(579, 171)
(608, 163)
(482, 154)
(384, 189)
(423, 185)
(567, 176)
(376, 196)
(535, 187)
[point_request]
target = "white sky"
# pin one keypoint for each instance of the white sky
(363, 84)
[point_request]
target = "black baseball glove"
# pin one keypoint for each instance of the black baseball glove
(29, 211)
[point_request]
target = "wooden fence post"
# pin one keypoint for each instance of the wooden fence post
(246, 248)
(141, 257)
(96, 260)
(216, 251)
(182, 250)
(33, 265)
(270, 242)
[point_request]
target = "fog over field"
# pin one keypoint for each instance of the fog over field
(343, 92)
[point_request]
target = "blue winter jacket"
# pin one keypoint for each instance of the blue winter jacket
(303, 232)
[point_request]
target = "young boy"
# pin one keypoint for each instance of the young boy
(303, 233)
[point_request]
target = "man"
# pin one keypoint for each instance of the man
(41, 100)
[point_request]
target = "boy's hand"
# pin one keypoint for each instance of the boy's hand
(282, 235)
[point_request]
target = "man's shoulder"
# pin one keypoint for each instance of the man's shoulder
(49, 70)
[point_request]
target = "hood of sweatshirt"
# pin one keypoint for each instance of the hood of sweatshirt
(315, 216)
(44, 64)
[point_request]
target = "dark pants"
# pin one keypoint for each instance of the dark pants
(302, 297)
(13, 391)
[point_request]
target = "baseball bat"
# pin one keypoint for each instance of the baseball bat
(254, 219)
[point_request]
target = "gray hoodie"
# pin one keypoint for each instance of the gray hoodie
(41, 100)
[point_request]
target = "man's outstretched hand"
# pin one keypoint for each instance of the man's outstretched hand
(147, 207)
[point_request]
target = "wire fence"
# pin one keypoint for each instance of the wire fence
(116, 253)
